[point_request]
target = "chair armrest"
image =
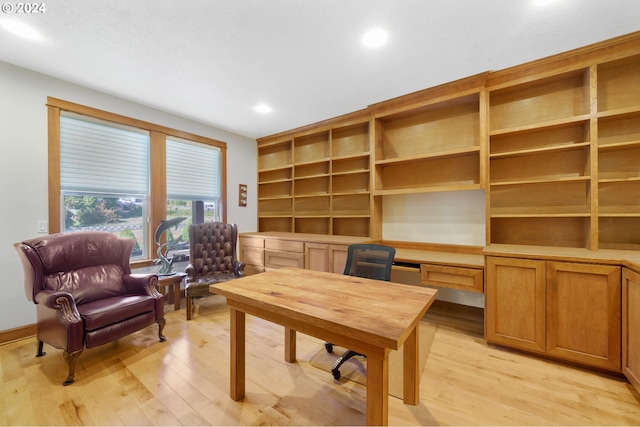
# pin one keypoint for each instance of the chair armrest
(238, 268)
(141, 284)
(60, 301)
(191, 272)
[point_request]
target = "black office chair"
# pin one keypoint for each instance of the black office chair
(369, 261)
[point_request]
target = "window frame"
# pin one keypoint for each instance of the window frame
(157, 167)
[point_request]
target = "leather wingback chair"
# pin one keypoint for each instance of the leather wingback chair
(84, 292)
(212, 259)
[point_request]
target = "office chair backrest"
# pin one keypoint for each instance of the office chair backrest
(370, 261)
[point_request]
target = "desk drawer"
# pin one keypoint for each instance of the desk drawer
(251, 242)
(284, 245)
(466, 279)
(279, 259)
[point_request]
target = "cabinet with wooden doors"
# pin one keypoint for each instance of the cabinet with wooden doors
(540, 164)
(251, 254)
(566, 310)
(631, 326)
(325, 187)
(430, 141)
(515, 303)
(279, 253)
(618, 123)
(331, 258)
(263, 251)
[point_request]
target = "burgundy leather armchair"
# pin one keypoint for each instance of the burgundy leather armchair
(212, 258)
(84, 292)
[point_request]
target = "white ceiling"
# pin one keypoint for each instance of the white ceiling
(214, 60)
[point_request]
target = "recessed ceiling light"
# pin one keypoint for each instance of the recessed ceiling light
(20, 29)
(262, 108)
(375, 38)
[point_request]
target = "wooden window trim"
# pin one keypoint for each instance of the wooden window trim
(157, 156)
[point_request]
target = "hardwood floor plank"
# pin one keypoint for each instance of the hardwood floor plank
(185, 381)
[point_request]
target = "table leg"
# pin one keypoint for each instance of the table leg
(176, 295)
(411, 366)
(289, 345)
(378, 390)
(237, 354)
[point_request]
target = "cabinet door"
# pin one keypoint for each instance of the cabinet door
(325, 257)
(631, 326)
(583, 313)
(515, 303)
(251, 251)
(316, 256)
(338, 258)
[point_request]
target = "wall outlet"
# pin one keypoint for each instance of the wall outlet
(43, 227)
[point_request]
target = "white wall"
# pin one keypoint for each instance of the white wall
(455, 217)
(23, 168)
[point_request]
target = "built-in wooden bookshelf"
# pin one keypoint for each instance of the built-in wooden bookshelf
(435, 147)
(618, 123)
(317, 181)
(275, 186)
(540, 162)
(554, 143)
(564, 155)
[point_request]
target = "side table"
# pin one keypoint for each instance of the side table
(171, 283)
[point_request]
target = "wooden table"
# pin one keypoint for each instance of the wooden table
(368, 316)
(172, 284)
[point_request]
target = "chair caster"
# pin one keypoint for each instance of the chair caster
(329, 347)
(336, 373)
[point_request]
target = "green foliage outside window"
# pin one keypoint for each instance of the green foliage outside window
(91, 210)
(128, 234)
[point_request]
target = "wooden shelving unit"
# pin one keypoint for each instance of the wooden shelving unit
(434, 147)
(618, 123)
(540, 182)
(318, 181)
(554, 143)
(275, 186)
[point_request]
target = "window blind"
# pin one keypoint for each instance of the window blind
(101, 157)
(193, 170)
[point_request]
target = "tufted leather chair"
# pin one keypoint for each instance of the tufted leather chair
(84, 292)
(212, 259)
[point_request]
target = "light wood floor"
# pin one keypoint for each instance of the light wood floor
(185, 381)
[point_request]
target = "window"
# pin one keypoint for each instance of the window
(123, 175)
(104, 178)
(193, 190)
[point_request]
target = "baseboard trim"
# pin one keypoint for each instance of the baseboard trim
(17, 333)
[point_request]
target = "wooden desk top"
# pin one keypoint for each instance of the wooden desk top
(371, 311)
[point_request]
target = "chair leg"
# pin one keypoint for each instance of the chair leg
(40, 353)
(71, 360)
(189, 306)
(161, 323)
(335, 368)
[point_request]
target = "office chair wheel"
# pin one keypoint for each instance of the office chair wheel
(329, 347)
(336, 373)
